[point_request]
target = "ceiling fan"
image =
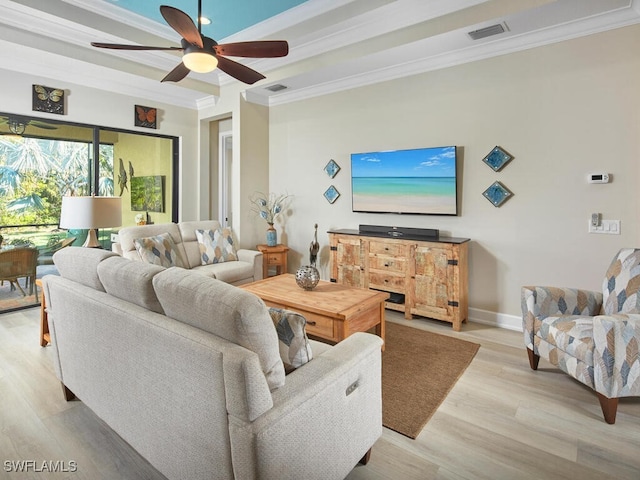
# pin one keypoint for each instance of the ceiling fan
(203, 54)
(17, 124)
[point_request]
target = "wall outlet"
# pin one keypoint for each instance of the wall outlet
(608, 227)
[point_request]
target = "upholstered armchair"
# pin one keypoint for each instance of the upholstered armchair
(591, 336)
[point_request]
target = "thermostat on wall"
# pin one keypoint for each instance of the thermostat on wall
(599, 178)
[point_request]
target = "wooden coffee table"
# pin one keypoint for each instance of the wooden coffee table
(333, 311)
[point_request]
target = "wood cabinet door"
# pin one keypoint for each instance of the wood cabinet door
(432, 295)
(349, 264)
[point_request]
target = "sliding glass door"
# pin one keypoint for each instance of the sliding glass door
(43, 160)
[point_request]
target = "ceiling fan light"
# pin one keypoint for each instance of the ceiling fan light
(200, 62)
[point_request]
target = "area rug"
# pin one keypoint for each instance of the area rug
(419, 369)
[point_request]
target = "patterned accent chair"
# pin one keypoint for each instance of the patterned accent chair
(591, 336)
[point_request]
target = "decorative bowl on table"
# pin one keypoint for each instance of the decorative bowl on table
(307, 277)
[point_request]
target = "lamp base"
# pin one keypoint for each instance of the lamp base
(92, 239)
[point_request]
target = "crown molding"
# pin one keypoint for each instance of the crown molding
(57, 67)
(287, 19)
(46, 25)
(383, 20)
(385, 72)
(206, 102)
(125, 16)
(427, 54)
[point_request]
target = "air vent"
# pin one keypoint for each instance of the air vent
(487, 31)
(277, 87)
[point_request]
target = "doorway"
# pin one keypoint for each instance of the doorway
(225, 158)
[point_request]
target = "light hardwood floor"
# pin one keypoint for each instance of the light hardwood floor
(500, 421)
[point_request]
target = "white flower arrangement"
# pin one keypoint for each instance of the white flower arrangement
(268, 207)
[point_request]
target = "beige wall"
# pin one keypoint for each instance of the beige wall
(250, 127)
(251, 170)
(149, 156)
(562, 110)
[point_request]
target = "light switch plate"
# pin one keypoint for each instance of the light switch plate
(608, 227)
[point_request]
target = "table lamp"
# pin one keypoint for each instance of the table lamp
(91, 213)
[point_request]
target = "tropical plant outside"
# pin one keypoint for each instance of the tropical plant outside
(35, 173)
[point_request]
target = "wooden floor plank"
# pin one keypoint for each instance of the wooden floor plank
(500, 421)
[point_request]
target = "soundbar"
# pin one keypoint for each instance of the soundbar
(399, 232)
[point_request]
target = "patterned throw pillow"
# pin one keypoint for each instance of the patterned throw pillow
(157, 250)
(216, 246)
(295, 349)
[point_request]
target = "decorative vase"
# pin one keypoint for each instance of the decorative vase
(307, 277)
(272, 236)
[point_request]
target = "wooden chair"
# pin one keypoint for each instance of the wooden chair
(46, 256)
(18, 263)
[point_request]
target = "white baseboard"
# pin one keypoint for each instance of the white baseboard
(501, 320)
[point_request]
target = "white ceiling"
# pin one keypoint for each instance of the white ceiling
(334, 44)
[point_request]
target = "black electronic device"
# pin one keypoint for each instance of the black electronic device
(397, 298)
(400, 232)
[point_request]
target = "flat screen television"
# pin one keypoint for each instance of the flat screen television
(417, 181)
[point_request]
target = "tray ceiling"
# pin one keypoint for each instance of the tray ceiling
(334, 44)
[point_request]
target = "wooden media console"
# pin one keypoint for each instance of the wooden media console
(428, 278)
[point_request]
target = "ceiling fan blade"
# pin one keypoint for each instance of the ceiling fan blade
(118, 46)
(177, 73)
(259, 49)
(182, 23)
(239, 71)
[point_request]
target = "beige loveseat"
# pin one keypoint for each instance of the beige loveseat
(247, 268)
(187, 370)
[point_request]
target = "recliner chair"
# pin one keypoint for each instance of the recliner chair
(594, 337)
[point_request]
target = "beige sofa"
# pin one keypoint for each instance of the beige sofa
(187, 370)
(248, 267)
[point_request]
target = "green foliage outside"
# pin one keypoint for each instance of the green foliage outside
(35, 173)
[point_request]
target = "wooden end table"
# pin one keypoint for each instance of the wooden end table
(333, 310)
(273, 257)
(45, 338)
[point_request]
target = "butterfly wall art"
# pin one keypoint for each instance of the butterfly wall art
(145, 116)
(47, 99)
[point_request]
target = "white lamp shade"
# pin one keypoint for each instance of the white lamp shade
(200, 62)
(91, 212)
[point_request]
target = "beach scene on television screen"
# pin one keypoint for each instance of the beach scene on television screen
(405, 181)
